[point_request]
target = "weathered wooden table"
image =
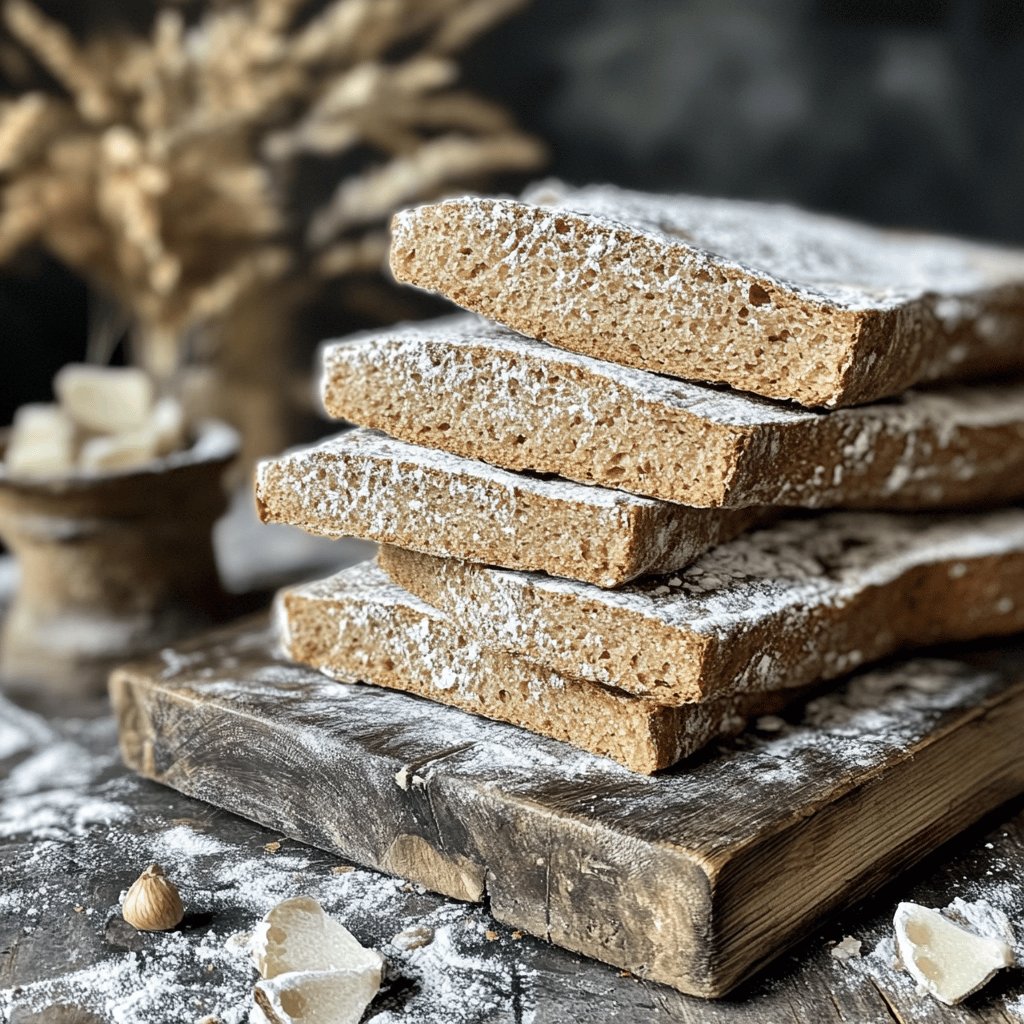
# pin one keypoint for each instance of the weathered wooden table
(76, 828)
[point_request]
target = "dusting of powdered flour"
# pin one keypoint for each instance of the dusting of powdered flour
(816, 255)
(368, 454)
(824, 561)
(65, 800)
(759, 598)
(925, 443)
(367, 484)
(515, 380)
(77, 829)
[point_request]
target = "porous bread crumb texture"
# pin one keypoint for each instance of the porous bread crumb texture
(462, 385)
(365, 484)
(802, 601)
(764, 298)
(357, 626)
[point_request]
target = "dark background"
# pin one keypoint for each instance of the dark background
(895, 111)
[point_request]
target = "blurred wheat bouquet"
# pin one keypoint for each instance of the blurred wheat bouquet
(167, 167)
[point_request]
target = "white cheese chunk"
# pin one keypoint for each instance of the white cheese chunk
(946, 960)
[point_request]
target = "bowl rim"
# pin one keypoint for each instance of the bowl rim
(214, 443)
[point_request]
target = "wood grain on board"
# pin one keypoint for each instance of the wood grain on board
(695, 878)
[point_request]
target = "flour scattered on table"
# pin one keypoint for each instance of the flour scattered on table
(46, 795)
(65, 801)
(1014, 1007)
(183, 842)
(85, 810)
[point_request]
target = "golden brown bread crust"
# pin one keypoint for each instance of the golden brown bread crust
(364, 484)
(465, 386)
(643, 292)
(798, 602)
(357, 627)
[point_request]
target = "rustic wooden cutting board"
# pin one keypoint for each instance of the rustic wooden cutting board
(695, 878)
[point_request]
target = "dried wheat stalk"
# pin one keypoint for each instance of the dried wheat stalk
(164, 167)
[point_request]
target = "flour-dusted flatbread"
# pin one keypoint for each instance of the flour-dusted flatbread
(798, 602)
(466, 386)
(357, 626)
(365, 484)
(764, 298)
